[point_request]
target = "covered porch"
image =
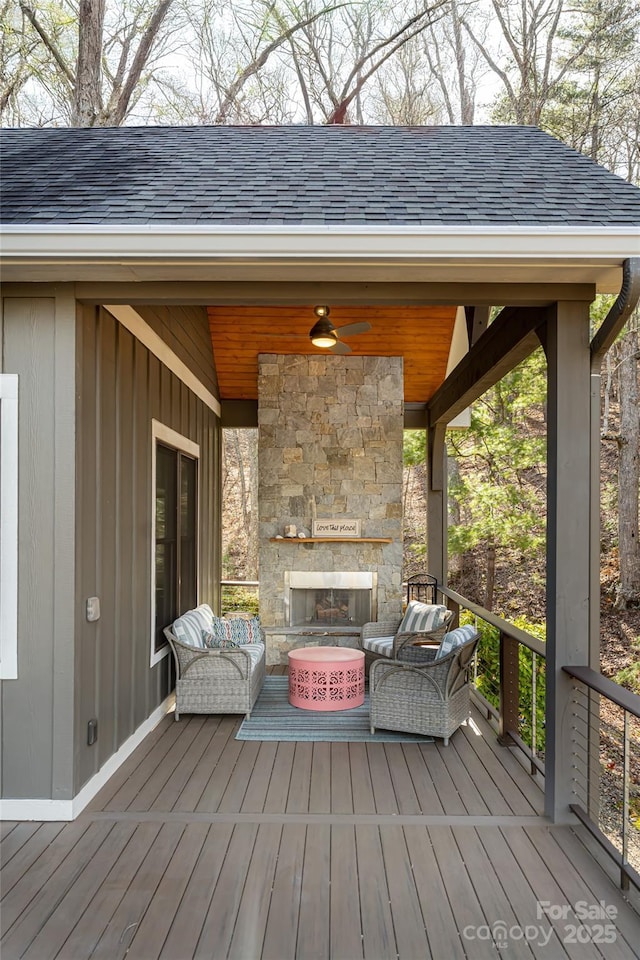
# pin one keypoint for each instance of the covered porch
(196, 844)
(206, 846)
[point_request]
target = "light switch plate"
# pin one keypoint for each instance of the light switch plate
(93, 609)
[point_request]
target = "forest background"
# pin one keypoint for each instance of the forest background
(572, 69)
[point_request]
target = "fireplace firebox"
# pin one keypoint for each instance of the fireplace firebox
(329, 599)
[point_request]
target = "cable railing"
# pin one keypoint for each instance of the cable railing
(605, 739)
(509, 677)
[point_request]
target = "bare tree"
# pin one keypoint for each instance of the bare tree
(95, 61)
(527, 61)
(17, 56)
(628, 471)
(338, 65)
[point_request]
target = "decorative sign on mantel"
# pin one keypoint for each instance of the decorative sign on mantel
(336, 528)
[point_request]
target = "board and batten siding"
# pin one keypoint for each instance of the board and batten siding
(122, 387)
(38, 339)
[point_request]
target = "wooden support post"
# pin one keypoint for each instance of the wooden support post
(509, 689)
(437, 553)
(569, 559)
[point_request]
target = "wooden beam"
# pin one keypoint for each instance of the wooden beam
(477, 321)
(437, 510)
(509, 340)
(239, 414)
(279, 292)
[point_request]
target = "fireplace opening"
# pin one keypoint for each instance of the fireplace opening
(329, 599)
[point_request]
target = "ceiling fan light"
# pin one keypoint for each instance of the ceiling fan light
(322, 334)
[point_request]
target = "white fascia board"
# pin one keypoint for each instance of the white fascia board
(177, 243)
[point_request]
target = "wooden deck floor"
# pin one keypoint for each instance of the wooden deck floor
(203, 846)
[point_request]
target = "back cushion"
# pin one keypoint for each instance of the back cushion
(455, 638)
(205, 610)
(189, 628)
(421, 617)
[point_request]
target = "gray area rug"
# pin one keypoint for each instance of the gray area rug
(273, 718)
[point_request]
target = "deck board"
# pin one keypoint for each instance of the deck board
(79, 897)
(313, 940)
(439, 918)
(346, 940)
(361, 785)
(516, 886)
(85, 935)
(16, 838)
(32, 844)
(375, 909)
(195, 787)
(25, 924)
(205, 846)
(281, 929)
(220, 919)
(251, 919)
(186, 928)
(460, 889)
(543, 880)
(493, 901)
(406, 911)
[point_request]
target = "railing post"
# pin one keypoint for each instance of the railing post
(624, 878)
(455, 607)
(509, 689)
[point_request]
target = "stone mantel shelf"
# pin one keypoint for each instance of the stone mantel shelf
(331, 539)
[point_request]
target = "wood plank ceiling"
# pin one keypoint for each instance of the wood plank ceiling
(421, 335)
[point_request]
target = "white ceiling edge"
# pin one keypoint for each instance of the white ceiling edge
(503, 254)
(176, 243)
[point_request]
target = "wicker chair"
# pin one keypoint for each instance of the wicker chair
(429, 698)
(381, 640)
(217, 681)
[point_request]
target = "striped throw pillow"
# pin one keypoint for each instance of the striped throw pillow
(455, 638)
(189, 628)
(422, 617)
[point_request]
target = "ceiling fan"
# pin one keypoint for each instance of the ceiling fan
(324, 334)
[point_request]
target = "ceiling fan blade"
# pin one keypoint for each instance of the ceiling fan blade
(340, 347)
(351, 329)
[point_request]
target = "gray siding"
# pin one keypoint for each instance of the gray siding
(37, 708)
(121, 388)
(185, 330)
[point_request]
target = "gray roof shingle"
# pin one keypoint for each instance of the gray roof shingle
(447, 176)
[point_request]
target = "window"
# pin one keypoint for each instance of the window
(175, 531)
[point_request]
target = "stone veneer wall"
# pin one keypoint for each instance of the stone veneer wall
(330, 443)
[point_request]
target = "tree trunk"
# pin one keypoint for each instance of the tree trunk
(628, 473)
(491, 576)
(87, 103)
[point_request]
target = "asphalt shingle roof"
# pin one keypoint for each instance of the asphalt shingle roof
(306, 175)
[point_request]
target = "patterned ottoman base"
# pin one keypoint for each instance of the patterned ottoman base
(326, 678)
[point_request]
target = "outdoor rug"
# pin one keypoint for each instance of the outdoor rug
(273, 718)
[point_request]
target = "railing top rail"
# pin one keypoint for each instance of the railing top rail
(509, 629)
(607, 688)
(240, 583)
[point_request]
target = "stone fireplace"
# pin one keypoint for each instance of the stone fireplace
(329, 598)
(329, 447)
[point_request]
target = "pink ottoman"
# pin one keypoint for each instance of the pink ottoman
(326, 678)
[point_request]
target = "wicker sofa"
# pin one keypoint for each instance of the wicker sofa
(222, 680)
(398, 639)
(430, 698)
